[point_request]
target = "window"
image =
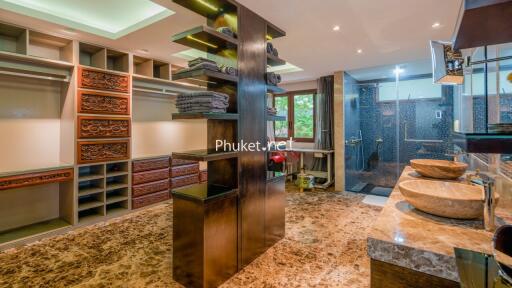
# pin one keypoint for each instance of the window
(299, 108)
(422, 88)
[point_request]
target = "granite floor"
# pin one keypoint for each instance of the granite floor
(325, 246)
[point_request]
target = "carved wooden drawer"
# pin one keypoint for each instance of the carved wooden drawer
(91, 102)
(150, 164)
(147, 200)
(103, 127)
(36, 178)
(103, 151)
(185, 170)
(150, 176)
(184, 181)
(144, 189)
(101, 80)
(179, 162)
(203, 176)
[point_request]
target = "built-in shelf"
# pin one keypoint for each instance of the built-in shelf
(207, 76)
(119, 173)
(90, 191)
(115, 186)
(118, 61)
(203, 192)
(275, 89)
(484, 143)
(274, 32)
(94, 56)
(276, 118)
(213, 116)
(212, 11)
(32, 230)
(203, 155)
(117, 198)
(89, 204)
(91, 177)
(90, 215)
(274, 60)
(166, 88)
(206, 39)
(50, 47)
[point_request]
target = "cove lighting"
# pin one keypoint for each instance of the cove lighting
(208, 5)
(94, 17)
(202, 42)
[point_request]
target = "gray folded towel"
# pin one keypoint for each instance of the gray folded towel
(226, 31)
(200, 60)
(270, 48)
(273, 78)
(203, 95)
(275, 52)
(229, 70)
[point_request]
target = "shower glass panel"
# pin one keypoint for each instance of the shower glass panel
(392, 119)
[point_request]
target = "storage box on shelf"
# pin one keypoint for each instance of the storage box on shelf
(103, 190)
(35, 202)
(150, 181)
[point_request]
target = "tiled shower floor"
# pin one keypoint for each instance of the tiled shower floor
(325, 246)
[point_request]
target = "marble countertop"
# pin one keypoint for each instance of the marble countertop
(422, 242)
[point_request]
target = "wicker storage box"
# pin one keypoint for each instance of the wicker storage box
(184, 181)
(179, 162)
(148, 188)
(149, 199)
(184, 170)
(150, 176)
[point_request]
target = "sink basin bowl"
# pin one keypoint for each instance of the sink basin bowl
(439, 169)
(445, 199)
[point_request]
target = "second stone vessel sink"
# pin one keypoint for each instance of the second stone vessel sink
(439, 169)
(446, 199)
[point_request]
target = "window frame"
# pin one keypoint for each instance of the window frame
(290, 117)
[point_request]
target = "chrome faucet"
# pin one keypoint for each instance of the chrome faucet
(488, 183)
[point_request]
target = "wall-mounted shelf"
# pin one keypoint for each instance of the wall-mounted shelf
(50, 47)
(209, 76)
(212, 10)
(93, 56)
(52, 225)
(274, 61)
(204, 155)
(275, 89)
(276, 118)
(206, 39)
(117, 61)
(484, 143)
(274, 32)
(213, 116)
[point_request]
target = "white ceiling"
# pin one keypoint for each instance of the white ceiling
(388, 32)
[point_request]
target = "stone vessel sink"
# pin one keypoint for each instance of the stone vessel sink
(439, 169)
(445, 199)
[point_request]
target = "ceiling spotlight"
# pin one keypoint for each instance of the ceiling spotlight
(359, 51)
(436, 25)
(336, 28)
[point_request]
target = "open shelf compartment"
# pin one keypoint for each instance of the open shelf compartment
(93, 56)
(206, 39)
(13, 39)
(50, 47)
(207, 76)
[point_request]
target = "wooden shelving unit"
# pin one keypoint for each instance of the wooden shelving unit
(206, 39)
(208, 76)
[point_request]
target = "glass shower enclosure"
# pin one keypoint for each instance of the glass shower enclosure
(391, 120)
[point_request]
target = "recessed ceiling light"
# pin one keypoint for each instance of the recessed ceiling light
(436, 25)
(336, 28)
(359, 51)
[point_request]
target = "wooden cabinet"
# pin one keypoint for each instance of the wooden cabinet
(100, 80)
(103, 151)
(150, 181)
(103, 127)
(93, 102)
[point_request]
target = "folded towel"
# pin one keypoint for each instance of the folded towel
(203, 95)
(226, 31)
(275, 52)
(270, 48)
(229, 70)
(202, 110)
(272, 78)
(200, 60)
(279, 78)
(201, 66)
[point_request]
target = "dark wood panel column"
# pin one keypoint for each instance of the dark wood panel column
(252, 128)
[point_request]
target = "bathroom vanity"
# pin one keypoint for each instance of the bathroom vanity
(410, 248)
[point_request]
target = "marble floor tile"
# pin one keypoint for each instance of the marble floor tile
(325, 246)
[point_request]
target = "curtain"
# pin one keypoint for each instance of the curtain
(324, 122)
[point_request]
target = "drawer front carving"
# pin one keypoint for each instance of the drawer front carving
(102, 151)
(179, 162)
(144, 189)
(103, 103)
(38, 178)
(203, 176)
(150, 164)
(150, 176)
(185, 170)
(150, 199)
(100, 80)
(184, 181)
(101, 127)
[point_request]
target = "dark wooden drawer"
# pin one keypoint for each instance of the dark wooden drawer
(103, 151)
(92, 102)
(101, 80)
(103, 127)
(184, 181)
(179, 162)
(147, 200)
(150, 176)
(185, 170)
(36, 178)
(150, 164)
(148, 188)
(203, 176)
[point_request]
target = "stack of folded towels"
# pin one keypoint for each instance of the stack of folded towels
(202, 102)
(272, 50)
(273, 78)
(271, 111)
(207, 64)
(227, 31)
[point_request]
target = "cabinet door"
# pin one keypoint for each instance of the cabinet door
(275, 203)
